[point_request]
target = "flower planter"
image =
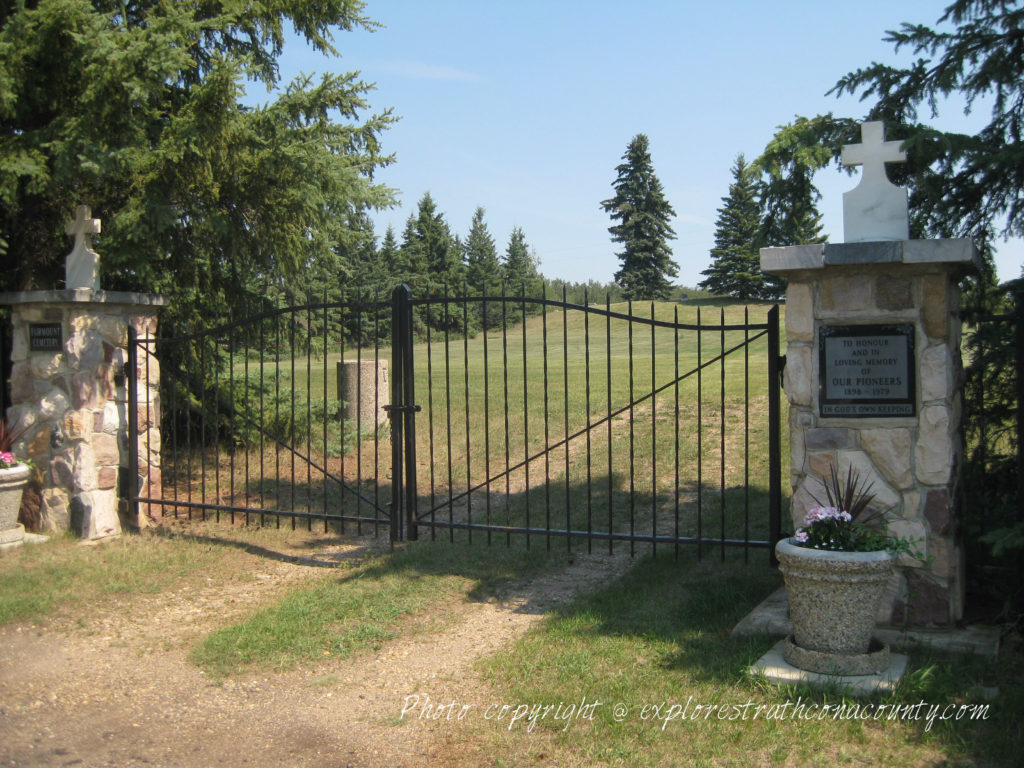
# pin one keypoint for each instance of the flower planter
(833, 600)
(12, 482)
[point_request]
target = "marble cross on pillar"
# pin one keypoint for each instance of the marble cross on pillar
(81, 265)
(876, 209)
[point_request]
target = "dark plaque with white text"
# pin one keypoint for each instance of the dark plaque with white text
(44, 337)
(866, 371)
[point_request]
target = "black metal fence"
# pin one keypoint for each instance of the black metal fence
(567, 425)
(993, 493)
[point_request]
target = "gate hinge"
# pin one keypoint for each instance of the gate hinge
(392, 410)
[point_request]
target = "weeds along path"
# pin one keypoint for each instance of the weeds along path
(114, 686)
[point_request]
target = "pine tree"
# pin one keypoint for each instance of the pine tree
(961, 186)
(432, 262)
(520, 275)
(388, 253)
(643, 213)
(735, 260)
(519, 266)
(483, 270)
(429, 257)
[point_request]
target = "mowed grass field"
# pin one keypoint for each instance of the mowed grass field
(575, 420)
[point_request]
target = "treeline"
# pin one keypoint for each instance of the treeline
(435, 263)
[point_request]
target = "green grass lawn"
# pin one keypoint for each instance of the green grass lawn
(654, 649)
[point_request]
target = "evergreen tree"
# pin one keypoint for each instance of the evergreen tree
(430, 258)
(519, 266)
(735, 260)
(411, 258)
(389, 254)
(520, 276)
(643, 213)
(368, 280)
(483, 270)
(134, 109)
(790, 208)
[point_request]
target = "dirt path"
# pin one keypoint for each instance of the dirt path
(120, 691)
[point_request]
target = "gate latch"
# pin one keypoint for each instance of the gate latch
(393, 410)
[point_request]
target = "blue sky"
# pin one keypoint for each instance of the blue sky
(525, 107)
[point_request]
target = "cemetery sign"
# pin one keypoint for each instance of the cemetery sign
(44, 337)
(866, 371)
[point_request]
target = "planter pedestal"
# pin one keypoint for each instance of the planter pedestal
(833, 600)
(12, 483)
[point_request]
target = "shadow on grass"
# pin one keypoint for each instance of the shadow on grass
(502, 562)
(320, 558)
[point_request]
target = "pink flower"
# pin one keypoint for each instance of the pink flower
(6, 458)
(801, 536)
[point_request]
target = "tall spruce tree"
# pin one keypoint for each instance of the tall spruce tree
(519, 267)
(135, 109)
(483, 270)
(520, 274)
(643, 214)
(735, 261)
(429, 257)
(388, 253)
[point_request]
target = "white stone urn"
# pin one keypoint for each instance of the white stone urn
(833, 600)
(12, 482)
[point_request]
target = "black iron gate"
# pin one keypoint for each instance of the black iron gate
(508, 416)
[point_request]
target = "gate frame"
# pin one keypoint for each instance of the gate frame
(402, 410)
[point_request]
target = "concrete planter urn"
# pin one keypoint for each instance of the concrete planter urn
(833, 599)
(12, 482)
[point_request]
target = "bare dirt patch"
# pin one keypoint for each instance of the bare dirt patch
(114, 687)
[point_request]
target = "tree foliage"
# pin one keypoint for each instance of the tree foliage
(960, 185)
(643, 214)
(135, 109)
(735, 268)
(483, 270)
(519, 267)
(966, 186)
(429, 256)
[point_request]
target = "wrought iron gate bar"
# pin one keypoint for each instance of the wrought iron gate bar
(602, 535)
(556, 304)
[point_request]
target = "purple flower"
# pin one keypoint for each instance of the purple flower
(801, 536)
(818, 514)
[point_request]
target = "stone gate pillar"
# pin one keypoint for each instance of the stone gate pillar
(873, 376)
(69, 388)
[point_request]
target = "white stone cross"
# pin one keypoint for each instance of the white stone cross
(81, 265)
(876, 209)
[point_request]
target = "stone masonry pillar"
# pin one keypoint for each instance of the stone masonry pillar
(69, 387)
(910, 451)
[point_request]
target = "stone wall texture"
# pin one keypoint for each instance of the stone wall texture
(74, 403)
(913, 463)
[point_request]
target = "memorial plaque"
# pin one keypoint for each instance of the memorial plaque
(44, 337)
(866, 371)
